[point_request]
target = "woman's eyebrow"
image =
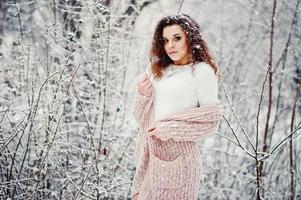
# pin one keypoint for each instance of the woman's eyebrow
(173, 35)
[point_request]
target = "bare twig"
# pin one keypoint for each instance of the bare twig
(232, 110)
(180, 7)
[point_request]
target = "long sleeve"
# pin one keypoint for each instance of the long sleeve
(141, 113)
(198, 122)
(195, 124)
(142, 156)
(140, 103)
(139, 106)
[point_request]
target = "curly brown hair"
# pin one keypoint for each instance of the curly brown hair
(197, 46)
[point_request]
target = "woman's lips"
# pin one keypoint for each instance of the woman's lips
(173, 52)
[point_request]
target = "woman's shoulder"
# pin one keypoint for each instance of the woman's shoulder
(204, 67)
(204, 71)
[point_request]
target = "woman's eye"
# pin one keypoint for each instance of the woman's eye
(165, 41)
(177, 38)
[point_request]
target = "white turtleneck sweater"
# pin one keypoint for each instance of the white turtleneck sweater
(181, 88)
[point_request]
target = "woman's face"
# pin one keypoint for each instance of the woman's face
(175, 44)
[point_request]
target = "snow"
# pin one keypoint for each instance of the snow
(61, 135)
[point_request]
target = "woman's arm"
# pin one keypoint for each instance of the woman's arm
(139, 107)
(193, 125)
(142, 157)
(142, 149)
(143, 99)
(144, 91)
(188, 128)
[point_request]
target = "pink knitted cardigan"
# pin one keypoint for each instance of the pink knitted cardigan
(168, 160)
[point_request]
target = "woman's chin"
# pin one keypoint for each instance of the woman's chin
(178, 62)
(175, 59)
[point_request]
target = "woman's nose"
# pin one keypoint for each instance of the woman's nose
(171, 44)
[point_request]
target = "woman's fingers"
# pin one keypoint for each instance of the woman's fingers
(145, 80)
(148, 89)
(135, 197)
(148, 84)
(151, 129)
(142, 78)
(144, 85)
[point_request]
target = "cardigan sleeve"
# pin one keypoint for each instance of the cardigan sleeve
(141, 154)
(206, 84)
(206, 88)
(140, 103)
(142, 157)
(139, 106)
(188, 129)
(142, 149)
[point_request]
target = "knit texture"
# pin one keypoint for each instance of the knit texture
(168, 160)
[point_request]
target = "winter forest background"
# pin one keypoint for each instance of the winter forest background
(68, 73)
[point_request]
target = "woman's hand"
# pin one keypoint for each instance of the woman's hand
(135, 197)
(144, 85)
(151, 131)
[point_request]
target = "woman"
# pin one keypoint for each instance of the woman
(177, 104)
